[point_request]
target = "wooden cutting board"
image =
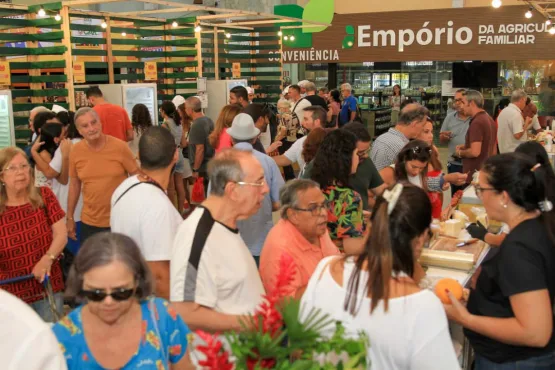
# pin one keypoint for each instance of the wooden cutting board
(450, 245)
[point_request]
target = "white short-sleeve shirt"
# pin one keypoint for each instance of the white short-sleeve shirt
(412, 334)
(26, 342)
(146, 215)
(510, 122)
(62, 191)
(295, 153)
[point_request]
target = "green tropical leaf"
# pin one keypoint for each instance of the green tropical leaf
(318, 11)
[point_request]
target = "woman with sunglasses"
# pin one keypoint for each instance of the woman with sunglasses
(411, 165)
(509, 316)
(336, 160)
(119, 326)
(376, 291)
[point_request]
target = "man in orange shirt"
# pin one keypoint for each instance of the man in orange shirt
(114, 119)
(97, 166)
(301, 233)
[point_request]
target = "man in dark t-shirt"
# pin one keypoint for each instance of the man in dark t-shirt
(480, 141)
(314, 99)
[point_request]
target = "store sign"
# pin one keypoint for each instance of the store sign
(79, 72)
(151, 71)
(441, 34)
(5, 74)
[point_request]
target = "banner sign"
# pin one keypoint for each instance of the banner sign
(453, 34)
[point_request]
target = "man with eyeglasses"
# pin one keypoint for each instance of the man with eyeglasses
(255, 229)
(453, 131)
(301, 234)
(213, 276)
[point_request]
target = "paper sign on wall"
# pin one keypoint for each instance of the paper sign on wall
(151, 71)
(236, 70)
(5, 75)
(79, 72)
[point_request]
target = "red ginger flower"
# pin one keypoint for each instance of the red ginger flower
(216, 359)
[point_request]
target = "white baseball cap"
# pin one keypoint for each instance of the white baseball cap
(242, 128)
(286, 90)
(178, 100)
(250, 90)
(57, 109)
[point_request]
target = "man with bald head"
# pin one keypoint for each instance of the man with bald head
(200, 151)
(412, 119)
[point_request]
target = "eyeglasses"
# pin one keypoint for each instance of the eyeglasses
(480, 190)
(418, 150)
(314, 209)
(12, 169)
(255, 184)
(458, 100)
(364, 152)
(98, 295)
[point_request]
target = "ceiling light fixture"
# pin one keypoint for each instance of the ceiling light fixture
(286, 38)
(174, 24)
(552, 30)
(292, 38)
(548, 21)
(41, 12)
(280, 33)
(529, 14)
(124, 34)
(198, 29)
(104, 24)
(228, 35)
(496, 3)
(58, 17)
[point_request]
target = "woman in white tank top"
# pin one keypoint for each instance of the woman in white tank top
(377, 294)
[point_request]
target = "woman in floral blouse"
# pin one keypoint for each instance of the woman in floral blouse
(119, 326)
(334, 163)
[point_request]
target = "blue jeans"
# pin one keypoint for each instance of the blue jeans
(545, 362)
(42, 308)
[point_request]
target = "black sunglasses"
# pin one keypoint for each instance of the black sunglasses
(98, 295)
(418, 150)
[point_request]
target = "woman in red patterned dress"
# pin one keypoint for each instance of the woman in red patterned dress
(32, 233)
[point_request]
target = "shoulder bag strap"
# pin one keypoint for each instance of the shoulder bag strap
(137, 184)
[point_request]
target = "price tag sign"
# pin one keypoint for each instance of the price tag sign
(151, 71)
(236, 70)
(79, 72)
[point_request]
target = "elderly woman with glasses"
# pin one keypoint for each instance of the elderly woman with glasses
(119, 326)
(33, 234)
(302, 234)
(336, 160)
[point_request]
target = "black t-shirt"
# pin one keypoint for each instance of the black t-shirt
(524, 262)
(317, 100)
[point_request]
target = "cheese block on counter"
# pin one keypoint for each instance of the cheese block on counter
(453, 227)
(452, 260)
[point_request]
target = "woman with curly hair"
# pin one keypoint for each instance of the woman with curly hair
(335, 161)
(140, 120)
(219, 138)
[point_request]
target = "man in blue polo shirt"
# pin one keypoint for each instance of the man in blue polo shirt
(349, 106)
(255, 229)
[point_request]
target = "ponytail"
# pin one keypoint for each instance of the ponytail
(545, 188)
(379, 262)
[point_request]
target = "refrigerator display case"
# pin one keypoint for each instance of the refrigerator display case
(380, 80)
(7, 133)
(401, 79)
(126, 96)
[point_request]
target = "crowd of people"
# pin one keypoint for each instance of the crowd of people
(354, 216)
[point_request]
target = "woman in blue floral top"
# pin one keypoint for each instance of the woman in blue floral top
(336, 160)
(118, 326)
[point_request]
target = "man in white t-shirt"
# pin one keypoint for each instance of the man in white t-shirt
(142, 210)
(512, 130)
(214, 279)
(313, 117)
(26, 342)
